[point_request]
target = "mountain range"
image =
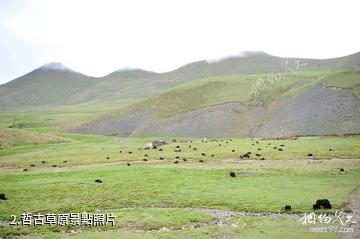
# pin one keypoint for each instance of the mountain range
(296, 96)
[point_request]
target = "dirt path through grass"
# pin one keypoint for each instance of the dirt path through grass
(354, 205)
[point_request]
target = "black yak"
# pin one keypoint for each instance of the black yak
(323, 203)
(2, 196)
(247, 155)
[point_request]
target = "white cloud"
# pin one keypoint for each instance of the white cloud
(97, 37)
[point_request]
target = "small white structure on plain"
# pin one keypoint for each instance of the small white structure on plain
(148, 146)
(312, 157)
(154, 144)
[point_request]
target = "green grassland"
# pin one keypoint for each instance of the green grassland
(260, 186)
(60, 117)
(78, 149)
(255, 189)
(159, 187)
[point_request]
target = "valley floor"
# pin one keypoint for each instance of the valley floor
(161, 193)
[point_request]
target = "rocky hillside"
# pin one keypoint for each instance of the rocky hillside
(223, 106)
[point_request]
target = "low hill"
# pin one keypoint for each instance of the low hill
(17, 137)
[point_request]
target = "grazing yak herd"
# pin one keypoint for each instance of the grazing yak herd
(157, 145)
(320, 203)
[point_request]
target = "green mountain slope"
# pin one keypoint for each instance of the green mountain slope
(54, 84)
(223, 106)
(50, 84)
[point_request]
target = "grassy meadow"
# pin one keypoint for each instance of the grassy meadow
(62, 168)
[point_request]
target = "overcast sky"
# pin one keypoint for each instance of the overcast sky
(98, 37)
